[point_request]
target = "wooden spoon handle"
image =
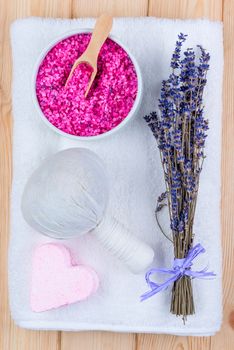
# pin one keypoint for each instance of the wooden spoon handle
(100, 33)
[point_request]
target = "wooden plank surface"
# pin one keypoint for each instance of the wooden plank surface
(119, 8)
(14, 338)
(186, 9)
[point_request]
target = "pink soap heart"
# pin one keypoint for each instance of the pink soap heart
(57, 280)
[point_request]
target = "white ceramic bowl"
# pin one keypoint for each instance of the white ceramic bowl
(132, 112)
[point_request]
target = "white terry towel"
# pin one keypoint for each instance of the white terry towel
(133, 164)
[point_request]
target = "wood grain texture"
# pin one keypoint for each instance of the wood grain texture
(14, 338)
(98, 341)
(186, 8)
(225, 339)
(123, 8)
(51, 8)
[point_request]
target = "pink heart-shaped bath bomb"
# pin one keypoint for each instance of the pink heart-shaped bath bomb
(56, 280)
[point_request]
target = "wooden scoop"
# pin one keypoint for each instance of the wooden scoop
(100, 33)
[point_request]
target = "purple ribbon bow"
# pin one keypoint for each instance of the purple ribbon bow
(181, 267)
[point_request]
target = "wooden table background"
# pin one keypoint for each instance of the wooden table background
(14, 338)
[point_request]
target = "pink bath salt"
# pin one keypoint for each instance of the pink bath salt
(57, 280)
(111, 96)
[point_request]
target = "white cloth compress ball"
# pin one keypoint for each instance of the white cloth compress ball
(67, 196)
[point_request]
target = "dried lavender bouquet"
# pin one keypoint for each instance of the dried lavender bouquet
(181, 130)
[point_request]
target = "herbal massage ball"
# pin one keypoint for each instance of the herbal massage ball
(67, 196)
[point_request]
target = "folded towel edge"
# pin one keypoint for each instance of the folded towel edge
(200, 20)
(79, 327)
